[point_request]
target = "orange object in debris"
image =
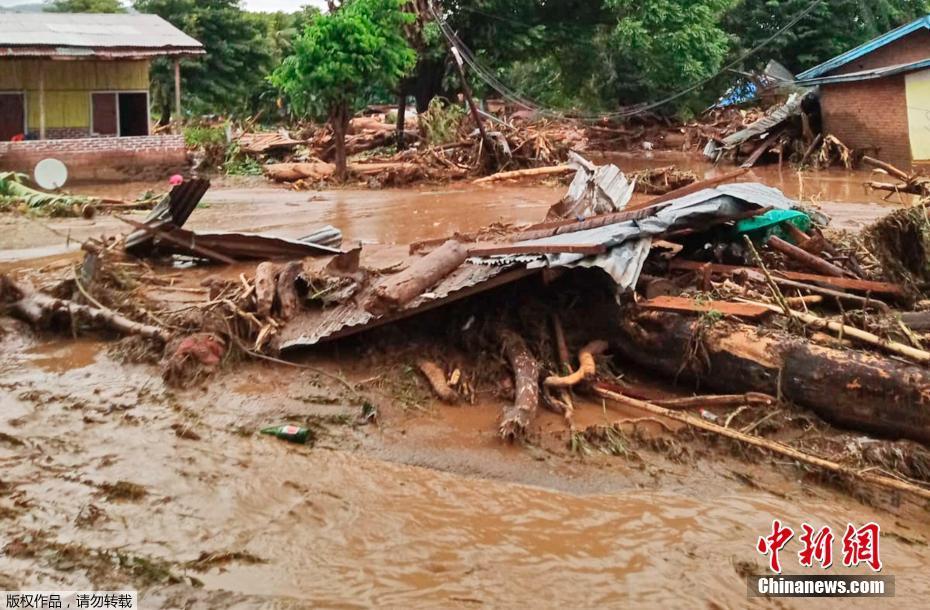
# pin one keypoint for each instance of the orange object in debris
(742, 310)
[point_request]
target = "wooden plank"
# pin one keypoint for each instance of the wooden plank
(515, 249)
(836, 282)
(685, 304)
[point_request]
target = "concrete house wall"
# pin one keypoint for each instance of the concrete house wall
(874, 113)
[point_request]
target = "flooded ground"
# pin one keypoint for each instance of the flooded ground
(400, 216)
(111, 480)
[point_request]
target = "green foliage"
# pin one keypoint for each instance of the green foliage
(239, 164)
(199, 136)
(831, 29)
(342, 56)
(441, 122)
(85, 6)
(237, 61)
(659, 46)
(14, 196)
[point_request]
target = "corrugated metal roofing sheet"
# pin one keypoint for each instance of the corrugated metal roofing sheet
(313, 327)
(84, 53)
(867, 74)
(92, 31)
(863, 50)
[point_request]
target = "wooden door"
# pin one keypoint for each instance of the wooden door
(12, 115)
(105, 117)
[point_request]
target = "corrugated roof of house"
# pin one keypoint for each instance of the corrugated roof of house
(75, 35)
(862, 50)
(873, 74)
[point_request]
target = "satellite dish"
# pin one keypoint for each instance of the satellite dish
(51, 174)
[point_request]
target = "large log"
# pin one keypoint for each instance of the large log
(853, 390)
(42, 310)
(518, 416)
(395, 291)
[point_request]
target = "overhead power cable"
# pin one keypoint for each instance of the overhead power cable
(486, 76)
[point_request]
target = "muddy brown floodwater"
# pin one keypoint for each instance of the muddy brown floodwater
(110, 480)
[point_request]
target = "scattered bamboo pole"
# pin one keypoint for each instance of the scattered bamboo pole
(846, 331)
(555, 170)
(726, 400)
(762, 443)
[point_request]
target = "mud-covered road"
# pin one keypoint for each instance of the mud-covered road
(109, 480)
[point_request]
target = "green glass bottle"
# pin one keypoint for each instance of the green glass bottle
(291, 434)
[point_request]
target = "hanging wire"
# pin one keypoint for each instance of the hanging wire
(509, 94)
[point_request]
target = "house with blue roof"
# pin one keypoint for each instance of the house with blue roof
(877, 96)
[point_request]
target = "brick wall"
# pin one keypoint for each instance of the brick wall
(101, 158)
(911, 48)
(869, 114)
(65, 133)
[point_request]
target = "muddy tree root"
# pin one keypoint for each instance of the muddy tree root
(857, 391)
(397, 290)
(518, 417)
(288, 298)
(265, 288)
(586, 371)
(762, 443)
(41, 310)
(437, 381)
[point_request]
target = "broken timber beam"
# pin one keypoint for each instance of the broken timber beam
(805, 258)
(685, 304)
(507, 249)
(835, 282)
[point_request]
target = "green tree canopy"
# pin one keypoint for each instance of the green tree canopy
(85, 6)
(832, 28)
(344, 56)
(238, 59)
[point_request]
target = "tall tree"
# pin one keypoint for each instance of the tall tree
(832, 28)
(236, 64)
(85, 6)
(341, 58)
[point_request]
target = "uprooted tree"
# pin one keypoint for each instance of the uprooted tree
(341, 59)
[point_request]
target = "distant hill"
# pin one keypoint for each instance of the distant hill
(16, 7)
(21, 6)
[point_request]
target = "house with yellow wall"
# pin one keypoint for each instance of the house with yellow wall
(82, 75)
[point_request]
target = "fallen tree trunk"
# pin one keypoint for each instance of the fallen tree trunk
(518, 416)
(853, 390)
(42, 310)
(397, 290)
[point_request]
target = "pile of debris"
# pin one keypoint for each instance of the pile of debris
(730, 287)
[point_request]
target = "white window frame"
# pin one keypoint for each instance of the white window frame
(119, 128)
(22, 94)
